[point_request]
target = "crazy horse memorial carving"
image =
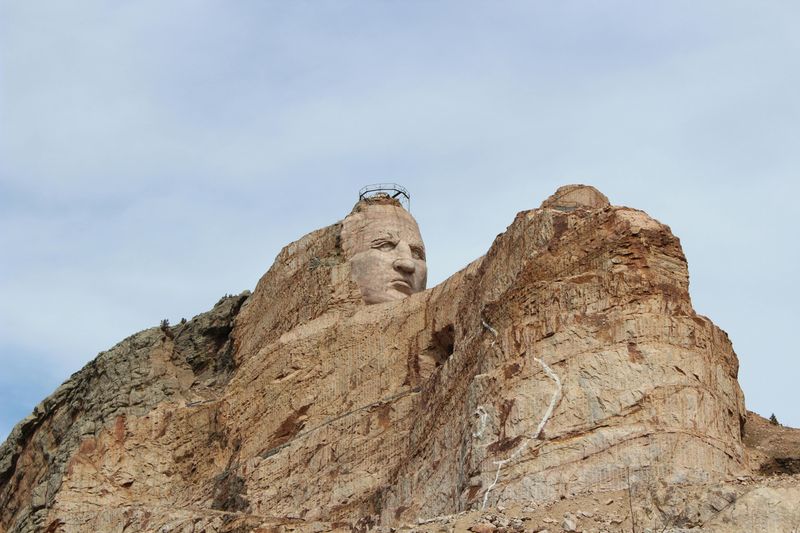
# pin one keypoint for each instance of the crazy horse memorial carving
(562, 376)
(381, 241)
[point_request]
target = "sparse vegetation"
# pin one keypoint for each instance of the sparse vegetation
(774, 420)
(225, 297)
(165, 328)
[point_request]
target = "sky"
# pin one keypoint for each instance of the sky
(157, 155)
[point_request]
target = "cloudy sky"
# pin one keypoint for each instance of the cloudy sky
(155, 155)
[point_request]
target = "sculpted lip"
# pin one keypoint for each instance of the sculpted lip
(401, 285)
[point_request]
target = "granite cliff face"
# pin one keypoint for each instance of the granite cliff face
(561, 379)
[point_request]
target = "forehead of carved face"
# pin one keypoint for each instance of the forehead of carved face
(385, 251)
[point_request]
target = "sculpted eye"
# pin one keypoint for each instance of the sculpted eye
(418, 253)
(385, 246)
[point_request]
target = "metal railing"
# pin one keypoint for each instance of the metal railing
(392, 190)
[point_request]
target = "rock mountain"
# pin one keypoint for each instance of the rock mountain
(561, 382)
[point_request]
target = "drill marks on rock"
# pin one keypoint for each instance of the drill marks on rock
(277, 448)
(548, 413)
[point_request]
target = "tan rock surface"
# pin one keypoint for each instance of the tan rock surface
(571, 197)
(569, 356)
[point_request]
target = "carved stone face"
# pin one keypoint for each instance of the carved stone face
(385, 251)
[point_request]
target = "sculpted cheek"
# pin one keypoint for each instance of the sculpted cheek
(421, 275)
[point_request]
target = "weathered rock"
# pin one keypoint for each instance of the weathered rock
(571, 197)
(569, 523)
(183, 365)
(564, 366)
(767, 509)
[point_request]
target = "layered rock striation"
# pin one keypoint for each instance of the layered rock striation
(565, 364)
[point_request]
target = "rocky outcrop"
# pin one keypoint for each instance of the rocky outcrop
(186, 364)
(563, 376)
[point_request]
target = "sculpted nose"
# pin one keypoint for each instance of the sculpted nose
(404, 265)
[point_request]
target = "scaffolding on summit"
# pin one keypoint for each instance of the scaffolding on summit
(392, 190)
